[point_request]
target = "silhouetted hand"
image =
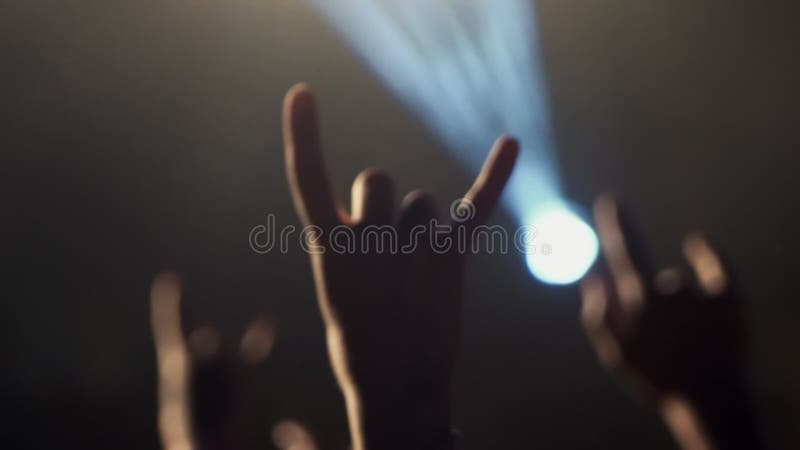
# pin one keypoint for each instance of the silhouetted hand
(682, 346)
(391, 317)
(203, 382)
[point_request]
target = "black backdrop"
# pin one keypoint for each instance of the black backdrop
(144, 135)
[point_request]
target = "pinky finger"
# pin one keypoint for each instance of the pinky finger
(706, 264)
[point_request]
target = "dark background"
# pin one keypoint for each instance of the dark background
(143, 135)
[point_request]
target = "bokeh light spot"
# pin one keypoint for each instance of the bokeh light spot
(564, 246)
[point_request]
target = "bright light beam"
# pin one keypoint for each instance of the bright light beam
(471, 70)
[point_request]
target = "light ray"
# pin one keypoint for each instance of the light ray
(471, 70)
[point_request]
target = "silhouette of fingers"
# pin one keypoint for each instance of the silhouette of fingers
(669, 282)
(373, 198)
(485, 191)
(257, 341)
(418, 210)
(305, 166)
(625, 259)
(602, 318)
(706, 265)
(204, 343)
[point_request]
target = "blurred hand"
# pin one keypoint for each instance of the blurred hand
(203, 381)
(391, 317)
(681, 345)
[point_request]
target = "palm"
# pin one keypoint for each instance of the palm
(399, 315)
(681, 336)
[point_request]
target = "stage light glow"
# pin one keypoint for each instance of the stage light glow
(564, 246)
(471, 70)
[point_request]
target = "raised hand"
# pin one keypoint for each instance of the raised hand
(681, 345)
(391, 314)
(203, 383)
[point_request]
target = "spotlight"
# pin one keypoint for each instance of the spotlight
(563, 246)
(471, 70)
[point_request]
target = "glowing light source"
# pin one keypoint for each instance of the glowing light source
(471, 70)
(564, 246)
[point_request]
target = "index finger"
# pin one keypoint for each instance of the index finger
(305, 168)
(625, 268)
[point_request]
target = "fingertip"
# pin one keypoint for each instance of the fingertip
(605, 206)
(605, 212)
(204, 343)
(417, 208)
(593, 299)
(257, 340)
(508, 143)
(373, 195)
(373, 181)
(299, 121)
(493, 177)
(500, 162)
(165, 306)
(506, 149)
(706, 263)
(166, 285)
(373, 176)
(298, 92)
(299, 101)
(418, 199)
(694, 241)
(669, 281)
